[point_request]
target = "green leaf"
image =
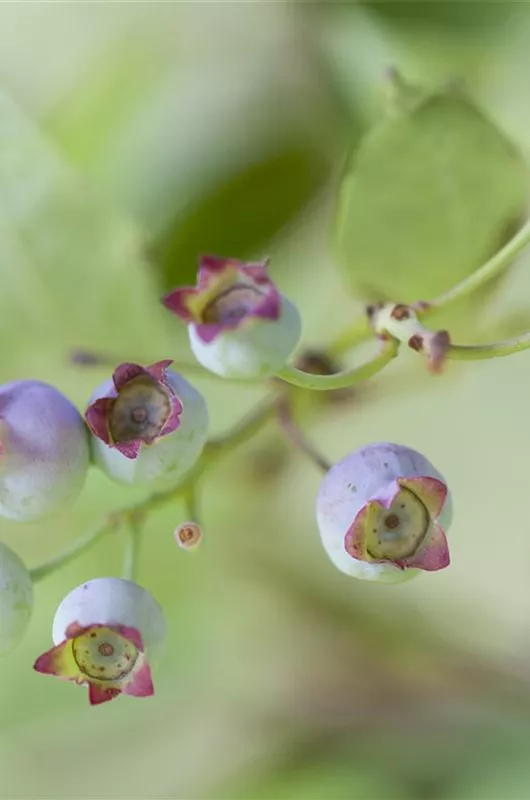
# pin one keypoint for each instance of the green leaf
(430, 194)
(106, 100)
(499, 766)
(240, 215)
(332, 779)
(73, 272)
(460, 19)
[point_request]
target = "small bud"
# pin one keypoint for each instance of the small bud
(380, 513)
(401, 322)
(107, 633)
(16, 599)
(149, 424)
(44, 452)
(239, 324)
(188, 535)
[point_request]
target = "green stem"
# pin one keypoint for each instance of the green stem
(295, 435)
(131, 559)
(246, 428)
(348, 377)
(502, 259)
(496, 350)
(77, 549)
(213, 450)
(191, 503)
(216, 448)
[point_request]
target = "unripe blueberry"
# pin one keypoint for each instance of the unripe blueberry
(239, 324)
(16, 599)
(44, 452)
(149, 424)
(380, 512)
(108, 633)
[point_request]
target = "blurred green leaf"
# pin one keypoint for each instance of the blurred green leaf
(328, 779)
(429, 195)
(106, 99)
(241, 215)
(73, 274)
(501, 770)
(458, 18)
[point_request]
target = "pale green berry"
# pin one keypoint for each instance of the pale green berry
(382, 512)
(149, 425)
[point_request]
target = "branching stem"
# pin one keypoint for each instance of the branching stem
(394, 324)
(344, 379)
(476, 352)
(296, 436)
(77, 549)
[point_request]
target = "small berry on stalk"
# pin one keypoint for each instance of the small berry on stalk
(149, 424)
(240, 326)
(44, 450)
(382, 512)
(107, 634)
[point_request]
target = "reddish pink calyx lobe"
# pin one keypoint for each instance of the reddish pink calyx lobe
(141, 684)
(98, 694)
(401, 527)
(141, 408)
(355, 537)
(109, 659)
(228, 292)
(430, 491)
(177, 301)
(434, 555)
(97, 416)
(129, 449)
(74, 629)
(132, 634)
(210, 266)
(127, 372)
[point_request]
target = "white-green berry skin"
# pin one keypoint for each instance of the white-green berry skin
(168, 458)
(113, 601)
(352, 483)
(44, 454)
(16, 599)
(257, 349)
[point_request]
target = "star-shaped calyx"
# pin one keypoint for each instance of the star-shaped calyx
(109, 659)
(227, 293)
(141, 408)
(401, 527)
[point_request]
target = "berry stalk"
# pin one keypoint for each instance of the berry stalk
(344, 379)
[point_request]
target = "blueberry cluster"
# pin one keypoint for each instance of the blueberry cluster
(382, 511)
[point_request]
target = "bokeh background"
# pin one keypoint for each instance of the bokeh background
(133, 137)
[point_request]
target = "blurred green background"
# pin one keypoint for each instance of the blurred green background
(133, 137)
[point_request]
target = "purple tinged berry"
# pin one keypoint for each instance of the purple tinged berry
(16, 599)
(44, 450)
(149, 424)
(382, 513)
(108, 633)
(240, 326)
